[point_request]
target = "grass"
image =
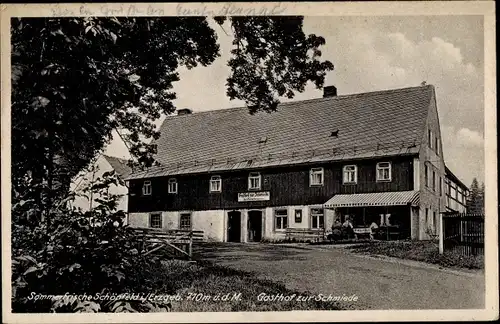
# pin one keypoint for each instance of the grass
(425, 251)
(206, 279)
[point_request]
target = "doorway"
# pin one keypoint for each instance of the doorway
(254, 226)
(234, 226)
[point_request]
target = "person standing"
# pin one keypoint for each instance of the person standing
(348, 227)
(373, 230)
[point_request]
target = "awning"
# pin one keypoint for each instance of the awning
(397, 198)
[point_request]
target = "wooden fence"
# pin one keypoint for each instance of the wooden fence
(176, 243)
(463, 233)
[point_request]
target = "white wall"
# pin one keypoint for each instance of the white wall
(429, 198)
(138, 219)
(214, 222)
(82, 180)
(271, 233)
(210, 222)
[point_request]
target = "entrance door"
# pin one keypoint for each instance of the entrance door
(234, 226)
(254, 226)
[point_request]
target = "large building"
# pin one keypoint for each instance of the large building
(375, 157)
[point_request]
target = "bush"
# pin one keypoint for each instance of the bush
(426, 251)
(76, 252)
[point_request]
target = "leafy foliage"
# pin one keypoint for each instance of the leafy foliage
(273, 56)
(81, 253)
(74, 81)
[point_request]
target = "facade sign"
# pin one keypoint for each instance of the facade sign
(254, 196)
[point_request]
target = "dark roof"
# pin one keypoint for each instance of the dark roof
(454, 178)
(119, 165)
(380, 123)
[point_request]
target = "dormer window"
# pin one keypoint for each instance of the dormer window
(172, 186)
(384, 171)
(350, 174)
(316, 177)
(254, 181)
(215, 184)
(147, 188)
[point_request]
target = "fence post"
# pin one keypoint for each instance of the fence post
(190, 246)
(441, 234)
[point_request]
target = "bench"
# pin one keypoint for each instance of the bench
(304, 234)
(174, 240)
(362, 231)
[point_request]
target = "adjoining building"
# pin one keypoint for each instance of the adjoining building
(456, 193)
(375, 157)
(103, 164)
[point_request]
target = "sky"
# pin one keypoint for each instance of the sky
(379, 53)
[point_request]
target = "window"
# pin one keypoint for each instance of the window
(434, 180)
(172, 185)
(298, 215)
(254, 181)
(155, 221)
(185, 221)
(281, 219)
(440, 186)
(384, 171)
(429, 139)
(385, 219)
(147, 188)
(317, 218)
(426, 216)
(453, 193)
(436, 145)
(350, 174)
(426, 175)
(215, 184)
(316, 177)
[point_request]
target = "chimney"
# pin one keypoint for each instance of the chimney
(184, 111)
(329, 91)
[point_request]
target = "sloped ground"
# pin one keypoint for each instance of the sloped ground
(378, 284)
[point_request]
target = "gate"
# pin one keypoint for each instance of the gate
(177, 243)
(463, 233)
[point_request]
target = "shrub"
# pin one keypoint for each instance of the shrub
(426, 251)
(76, 252)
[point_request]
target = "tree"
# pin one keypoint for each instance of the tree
(482, 197)
(75, 80)
(475, 203)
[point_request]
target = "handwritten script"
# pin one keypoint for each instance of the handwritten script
(227, 9)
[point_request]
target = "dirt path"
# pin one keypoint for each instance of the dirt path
(379, 284)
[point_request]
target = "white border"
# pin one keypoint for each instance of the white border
(483, 8)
